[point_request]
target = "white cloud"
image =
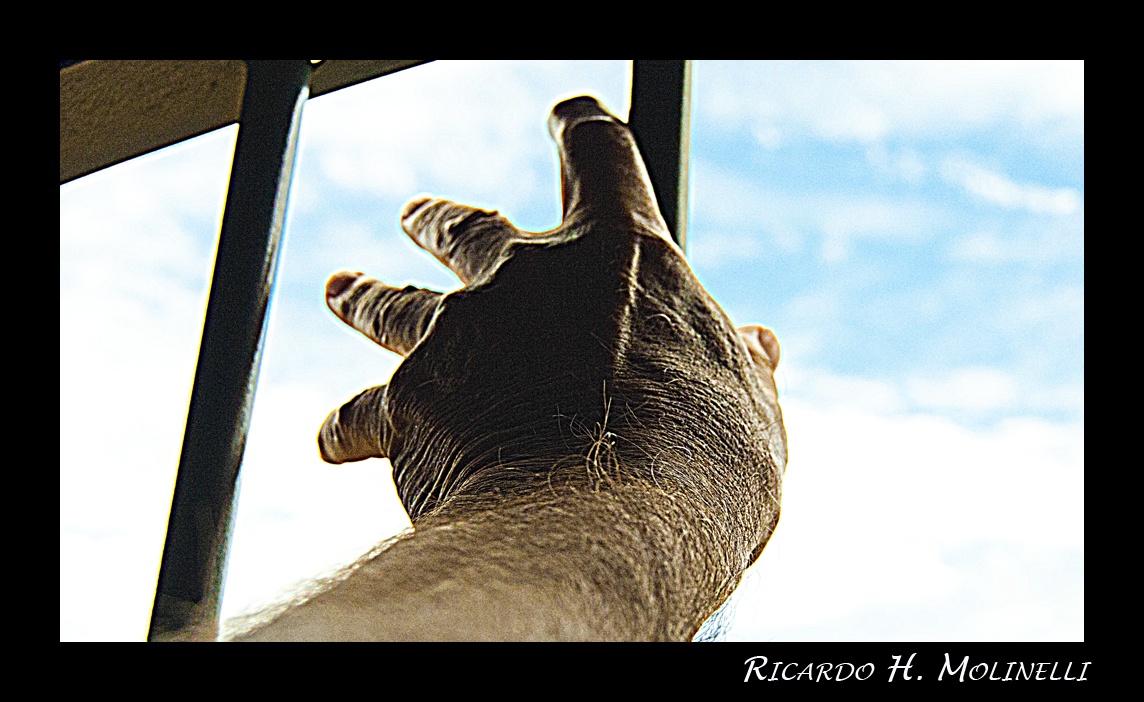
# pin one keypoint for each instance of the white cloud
(1032, 243)
(904, 164)
(124, 388)
(868, 101)
(839, 392)
(967, 392)
(717, 249)
(1053, 324)
(758, 217)
(999, 189)
(973, 389)
(768, 136)
(846, 219)
(853, 122)
(877, 506)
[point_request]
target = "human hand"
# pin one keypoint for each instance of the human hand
(583, 358)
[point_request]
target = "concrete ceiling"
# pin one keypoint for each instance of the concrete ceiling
(112, 111)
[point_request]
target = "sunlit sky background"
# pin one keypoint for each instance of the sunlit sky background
(913, 232)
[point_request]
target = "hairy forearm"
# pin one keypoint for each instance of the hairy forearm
(585, 565)
(587, 446)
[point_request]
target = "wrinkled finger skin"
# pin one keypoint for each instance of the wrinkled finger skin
(582, 358)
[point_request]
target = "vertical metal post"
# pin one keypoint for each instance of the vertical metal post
(189, 591)
(660, 118)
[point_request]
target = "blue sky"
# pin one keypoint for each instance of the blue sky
(913, 232)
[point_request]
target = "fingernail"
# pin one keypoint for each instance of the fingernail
(340, 282)
(326, 441)
(413, 205)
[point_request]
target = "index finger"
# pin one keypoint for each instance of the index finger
(469, 240)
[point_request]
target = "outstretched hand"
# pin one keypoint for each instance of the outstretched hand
(583, 358)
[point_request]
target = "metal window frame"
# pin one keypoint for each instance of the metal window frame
(273, 93)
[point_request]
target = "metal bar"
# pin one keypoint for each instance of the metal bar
(660, 118)
(188, 596)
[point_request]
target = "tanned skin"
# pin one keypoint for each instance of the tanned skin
(586, 445)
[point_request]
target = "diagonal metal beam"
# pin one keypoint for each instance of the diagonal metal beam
(189, 591)
(112, 111)
(660, 118)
